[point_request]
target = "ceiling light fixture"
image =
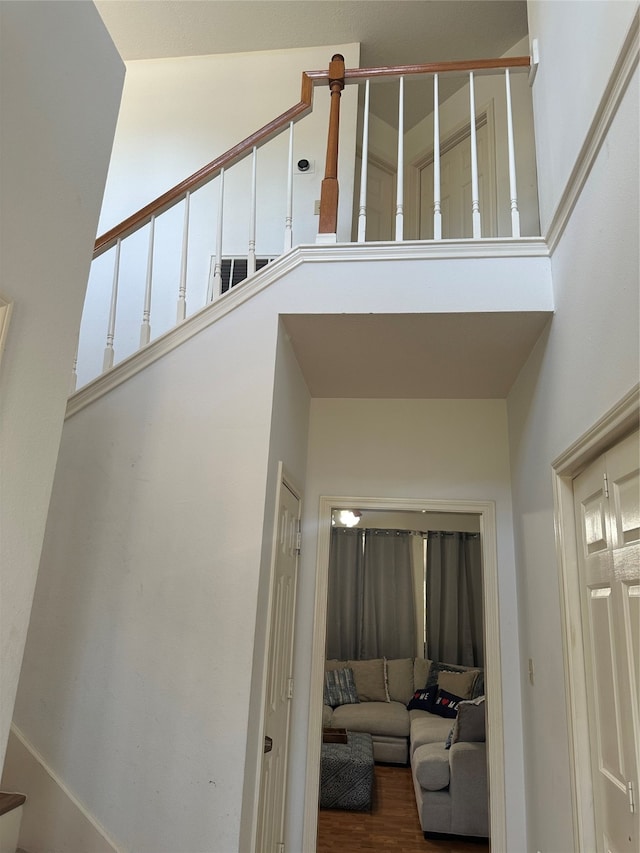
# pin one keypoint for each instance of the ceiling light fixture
(350, 517)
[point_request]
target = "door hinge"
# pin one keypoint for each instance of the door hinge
(632, 799)
(606, 486)
(280, 847)
(298, 538)
(290, 689)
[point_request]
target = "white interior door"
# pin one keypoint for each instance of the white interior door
(271, 809)
(380, 202)
(455, 189)
(607, 509)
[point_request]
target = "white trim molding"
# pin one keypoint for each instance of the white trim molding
(622, 419)
(493, 669)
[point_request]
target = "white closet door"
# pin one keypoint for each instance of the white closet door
(607, 510)
(277, 714)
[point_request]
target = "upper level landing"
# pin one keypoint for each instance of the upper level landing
(452, 319)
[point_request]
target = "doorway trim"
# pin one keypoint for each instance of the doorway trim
(495, 742)
(619, 421)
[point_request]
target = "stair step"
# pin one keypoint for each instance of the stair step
(9, 802)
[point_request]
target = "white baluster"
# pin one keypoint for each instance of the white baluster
(215, 282)
(288, 223)
(513, 190)
(145, 329)
(400, 178)
(107, 362)
(251, 257)
(437, 207)
(362, 212)
(181, 312)
(475, 194)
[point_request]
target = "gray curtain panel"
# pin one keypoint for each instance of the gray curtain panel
(345, 596)
(370, 606)
(454, 598)
(389, 619)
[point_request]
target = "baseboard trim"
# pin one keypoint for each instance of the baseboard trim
(57, 781)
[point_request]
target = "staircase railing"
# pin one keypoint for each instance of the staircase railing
(404, 176)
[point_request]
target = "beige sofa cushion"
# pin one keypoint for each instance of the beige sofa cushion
(377, 718)
(458, 683)
(421, 667)
(426, 728)
(369, 677)
(431, 766)
(400, 679)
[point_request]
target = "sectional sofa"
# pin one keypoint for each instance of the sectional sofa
(403, 704)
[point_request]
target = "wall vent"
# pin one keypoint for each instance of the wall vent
(234, 270)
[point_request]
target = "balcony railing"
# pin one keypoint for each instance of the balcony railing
(453, 174)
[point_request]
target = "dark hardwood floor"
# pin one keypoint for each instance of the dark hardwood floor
(391, 825)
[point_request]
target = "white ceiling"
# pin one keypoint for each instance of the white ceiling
(413, 356)
(390, 32)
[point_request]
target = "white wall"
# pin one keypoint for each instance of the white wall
(145, 632)
(177, 115)
(584, 364)
(52, 820)
(61, 84)
(136, 682)
(579, 43)
(440, 449)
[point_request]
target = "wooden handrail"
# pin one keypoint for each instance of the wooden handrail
(354, 75)
(295, 113)
(211, 170)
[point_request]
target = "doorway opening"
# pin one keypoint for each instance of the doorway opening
(485, 514)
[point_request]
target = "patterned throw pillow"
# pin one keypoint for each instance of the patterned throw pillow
(340, 688)
(423, 699)
(445, 704)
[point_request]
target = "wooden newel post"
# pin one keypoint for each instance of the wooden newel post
(329, 191)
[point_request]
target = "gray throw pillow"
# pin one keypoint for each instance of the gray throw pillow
(470, 726)
(340, 688)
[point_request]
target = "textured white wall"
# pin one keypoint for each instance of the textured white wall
(177, 115)
(439, 449)
(584, 364)
(61, 85)
(155, 548)
(579, 43)
(139, 656)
